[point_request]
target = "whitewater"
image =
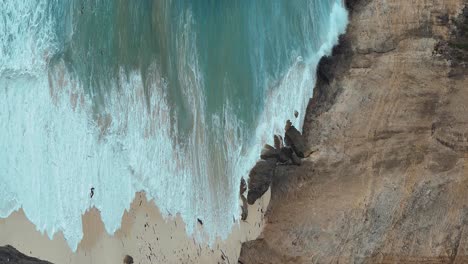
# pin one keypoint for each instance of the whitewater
(173, 98)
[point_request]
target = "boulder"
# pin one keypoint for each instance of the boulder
(243, 186)
(295, 140)
(268, 147)
(278, 141)
(287, 126)
(260, 179)
(269, 152)
(128, 260)
(285, 154)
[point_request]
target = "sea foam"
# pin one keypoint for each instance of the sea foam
(55, 147)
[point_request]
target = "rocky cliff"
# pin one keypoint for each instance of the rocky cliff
(389, 120)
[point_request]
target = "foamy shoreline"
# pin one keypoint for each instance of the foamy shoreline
(144, 234)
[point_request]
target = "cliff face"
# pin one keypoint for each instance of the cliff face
(389, 120)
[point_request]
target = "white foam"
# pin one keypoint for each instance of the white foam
(296, 87)
(54, 152)
(26, 36)
(54, 148)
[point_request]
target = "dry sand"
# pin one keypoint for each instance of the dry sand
(145, 235)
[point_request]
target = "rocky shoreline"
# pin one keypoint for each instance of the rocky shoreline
(289, 151)
(389, 119)
(9, 254)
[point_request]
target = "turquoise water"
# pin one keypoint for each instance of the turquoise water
(172, 97)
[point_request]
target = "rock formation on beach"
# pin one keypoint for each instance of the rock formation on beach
(262, 173)
(389, 118)
(128, 259)
(9, 254)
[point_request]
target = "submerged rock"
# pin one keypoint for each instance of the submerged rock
(260, 179)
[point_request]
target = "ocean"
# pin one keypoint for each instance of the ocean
(172, 97)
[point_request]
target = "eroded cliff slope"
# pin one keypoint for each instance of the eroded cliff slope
(389, 120)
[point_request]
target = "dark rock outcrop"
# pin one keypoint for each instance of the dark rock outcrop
(128, 260)
(295, 159)
(295, 140)
(278, 141)
(9, 254)
(260, 176)
(269, 152)
(455, 47)
(260, 179)
(285, 154)
(242, 187)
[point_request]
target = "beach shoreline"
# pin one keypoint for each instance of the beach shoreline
(144, 234)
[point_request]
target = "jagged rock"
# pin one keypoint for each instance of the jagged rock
(296, 113)
(260, 179)
(269, 152)
(9, 254)
(287, 126)
(243, 186)
(278, 141)
(295, 159)
(268, 147)
(128, 260)
(295, 140)
(285, 154)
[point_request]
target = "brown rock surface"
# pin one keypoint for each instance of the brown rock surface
(389, 117)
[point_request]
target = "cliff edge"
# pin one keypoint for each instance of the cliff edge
(389, 120)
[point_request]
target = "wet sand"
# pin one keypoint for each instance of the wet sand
(144, 234)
